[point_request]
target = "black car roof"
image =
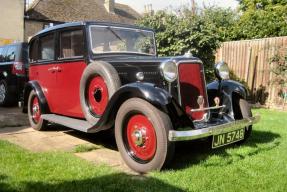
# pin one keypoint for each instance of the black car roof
(86, 23)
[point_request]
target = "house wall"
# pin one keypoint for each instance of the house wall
(11, 21)
(32, 27)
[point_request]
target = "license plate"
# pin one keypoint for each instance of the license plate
(227, 138)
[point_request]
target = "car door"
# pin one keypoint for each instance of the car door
(70, 67)
(43, 67)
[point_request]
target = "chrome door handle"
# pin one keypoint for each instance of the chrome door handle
(52, 69)
(55, 69)
(58, 69)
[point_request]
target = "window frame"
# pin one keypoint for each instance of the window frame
(40, 46)
(65, 30)
(36, 40)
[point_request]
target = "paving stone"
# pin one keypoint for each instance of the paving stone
(38, 141)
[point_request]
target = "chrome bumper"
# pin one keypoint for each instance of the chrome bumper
(213, 130)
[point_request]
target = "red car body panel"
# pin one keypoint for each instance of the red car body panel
(61, 86)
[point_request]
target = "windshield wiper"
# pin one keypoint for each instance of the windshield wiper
(115, 34)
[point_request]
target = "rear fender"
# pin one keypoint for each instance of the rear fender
(34, 85)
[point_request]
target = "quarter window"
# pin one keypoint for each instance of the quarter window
(11, 54)
(71, 44)
(33, 52)
(1, 54)
(47, 47)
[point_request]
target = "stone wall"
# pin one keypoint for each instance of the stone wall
(11, 21)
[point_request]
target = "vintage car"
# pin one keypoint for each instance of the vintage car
(93, 76)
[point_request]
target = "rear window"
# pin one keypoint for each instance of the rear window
(47, 47)
(71, 44)
(1, 54)
(11, 54)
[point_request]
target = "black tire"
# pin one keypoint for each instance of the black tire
(7, 97)
(112, 82)
(41, 124)
(161, 124)
(242, 110)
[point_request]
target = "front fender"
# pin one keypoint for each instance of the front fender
(34, 85)
(226, 90)
(156, 96)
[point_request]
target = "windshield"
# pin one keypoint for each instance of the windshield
(106, 39)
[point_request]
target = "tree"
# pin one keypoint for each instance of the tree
(261, 18)
(199, 33)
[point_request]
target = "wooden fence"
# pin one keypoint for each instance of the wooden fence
(250, 61)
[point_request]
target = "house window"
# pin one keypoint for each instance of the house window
(47, 47)
(71, 44)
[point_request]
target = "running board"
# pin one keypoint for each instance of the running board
(77, 124)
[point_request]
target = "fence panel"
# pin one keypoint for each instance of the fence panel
(250, 61)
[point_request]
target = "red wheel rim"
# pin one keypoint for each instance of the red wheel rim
(141, 138)
(98, 95)
(36, 112)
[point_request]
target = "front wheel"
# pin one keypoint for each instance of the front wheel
(141, 132)
(35, 112)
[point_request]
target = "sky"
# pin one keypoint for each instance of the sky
(162, 4)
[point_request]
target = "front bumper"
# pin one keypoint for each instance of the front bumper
(212, 130)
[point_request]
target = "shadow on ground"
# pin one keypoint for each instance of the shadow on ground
(191, 153)
(113, 182)
(12, 117)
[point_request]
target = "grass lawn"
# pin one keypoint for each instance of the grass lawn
(259, 165)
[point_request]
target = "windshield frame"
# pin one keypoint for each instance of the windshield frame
(121, 52)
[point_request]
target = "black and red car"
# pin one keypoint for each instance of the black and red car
(93, 76)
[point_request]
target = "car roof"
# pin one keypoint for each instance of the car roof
(86, 23)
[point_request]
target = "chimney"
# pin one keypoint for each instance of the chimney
(110, 6)
(148, 10)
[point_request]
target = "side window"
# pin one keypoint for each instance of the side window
(47, 47)
(11, 54)
(1, 56)
(33, 51)
(71, 44)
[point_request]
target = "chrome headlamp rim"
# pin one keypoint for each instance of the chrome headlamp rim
(168, 70)
(222, 71)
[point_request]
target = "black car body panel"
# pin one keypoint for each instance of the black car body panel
(11, 55)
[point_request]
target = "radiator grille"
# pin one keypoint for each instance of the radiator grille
(192, 85)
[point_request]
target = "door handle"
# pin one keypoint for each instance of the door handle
(52, 69)
(58, 69)
(55, 69)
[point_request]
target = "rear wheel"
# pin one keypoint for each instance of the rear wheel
(242, 110)
(6, 97)
(34, 112)
(141, 132)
